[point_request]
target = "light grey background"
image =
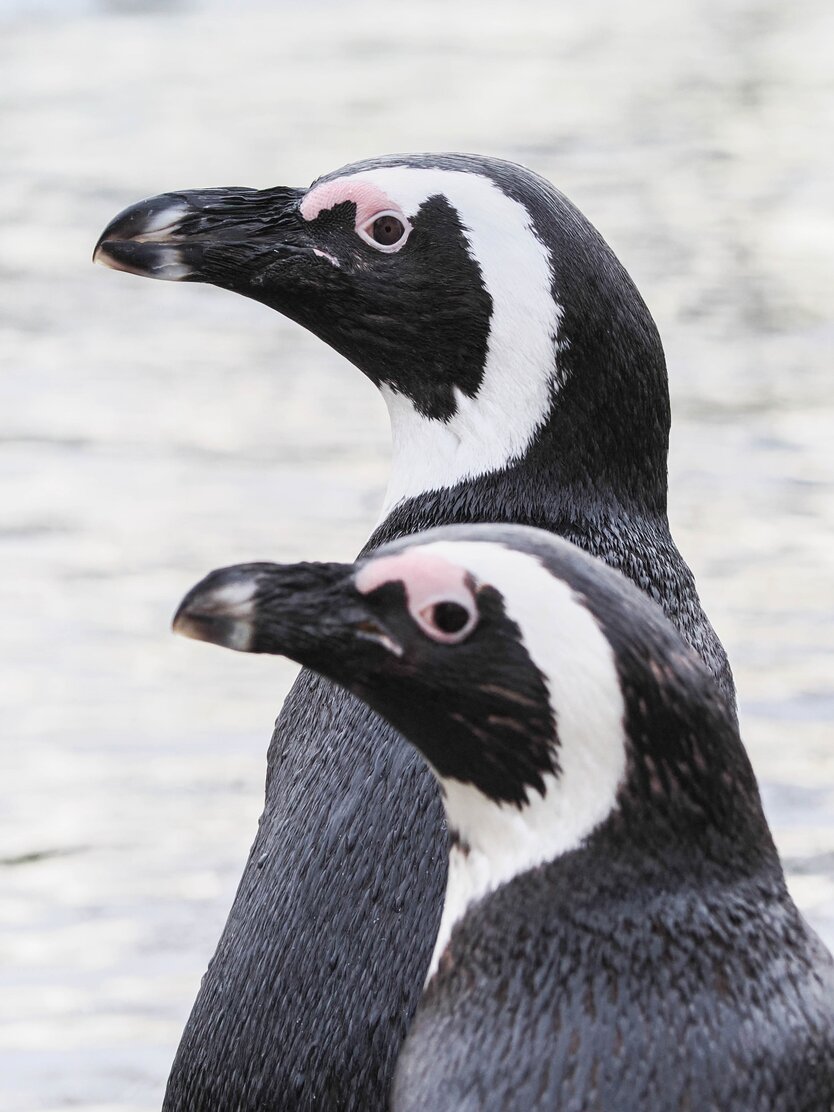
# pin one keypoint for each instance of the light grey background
(150, 432)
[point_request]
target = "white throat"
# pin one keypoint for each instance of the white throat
(496, 426)
(500, 841)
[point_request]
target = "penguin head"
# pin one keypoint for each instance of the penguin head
(472, 293)
(548, 695)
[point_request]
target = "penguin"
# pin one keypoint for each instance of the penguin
(526, 383)
(616, 933)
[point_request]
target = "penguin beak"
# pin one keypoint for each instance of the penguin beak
(208, 235)
(311, 613)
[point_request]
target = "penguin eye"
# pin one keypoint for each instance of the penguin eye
(387, 231)
(447, 620)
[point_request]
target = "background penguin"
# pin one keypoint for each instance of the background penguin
(617, 933)
(526, 383)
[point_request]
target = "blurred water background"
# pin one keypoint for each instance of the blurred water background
(150, 432)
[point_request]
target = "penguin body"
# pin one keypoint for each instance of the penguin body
(526, 383)
(616, 931)
(556, 993)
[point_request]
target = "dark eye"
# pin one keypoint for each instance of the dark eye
(447, 621)
(449, 617)
(387, 230)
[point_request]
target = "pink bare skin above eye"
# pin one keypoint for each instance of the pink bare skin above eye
(368, 198)
(426, 578)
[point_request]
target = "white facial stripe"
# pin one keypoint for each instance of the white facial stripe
(568, 647)
(496, 426)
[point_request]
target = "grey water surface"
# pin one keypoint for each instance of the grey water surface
(150, 432)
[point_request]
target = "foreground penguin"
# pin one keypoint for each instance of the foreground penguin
(616, 932)
(526, 383)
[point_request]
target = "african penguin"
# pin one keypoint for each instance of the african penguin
(616, 933)
(526, 383)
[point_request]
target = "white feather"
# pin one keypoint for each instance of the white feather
(496, 426)
(568, 647)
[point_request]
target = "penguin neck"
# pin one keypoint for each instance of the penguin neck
(487, 465)
(682, 811)
(624, 859)
(613, 891)
(491, 842)
(529, 491)
(483, 435)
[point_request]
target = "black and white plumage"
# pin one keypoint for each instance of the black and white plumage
(617, 933)
(526, 383)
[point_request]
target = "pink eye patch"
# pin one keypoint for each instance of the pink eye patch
(426, 578)
(369, 199)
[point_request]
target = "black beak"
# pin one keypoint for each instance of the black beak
(203, 235)
(311, 613)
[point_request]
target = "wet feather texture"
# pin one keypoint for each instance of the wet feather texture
(586, 457)
(616, 930)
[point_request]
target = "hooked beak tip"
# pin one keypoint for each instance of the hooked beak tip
(149, 260)
(189, 625)
(220, 612)
(143, 239)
